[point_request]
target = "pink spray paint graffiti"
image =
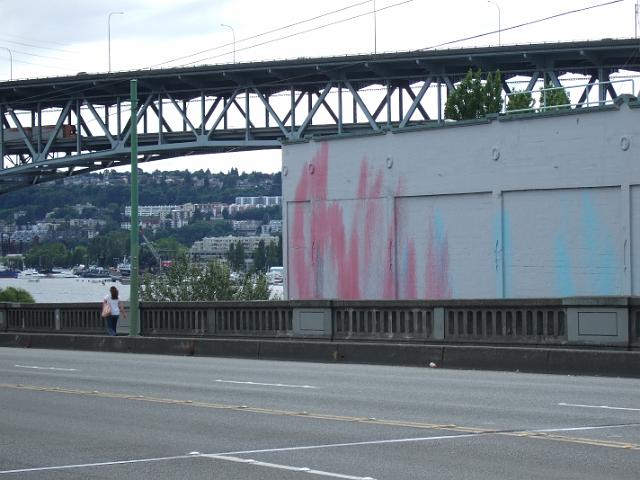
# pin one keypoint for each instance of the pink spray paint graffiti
(338, 264)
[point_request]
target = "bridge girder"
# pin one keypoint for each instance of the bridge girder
(64, 126)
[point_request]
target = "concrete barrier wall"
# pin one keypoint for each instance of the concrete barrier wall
(594, 321)
(470, 357)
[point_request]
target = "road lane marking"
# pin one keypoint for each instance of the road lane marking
(265, 384)
(354, 444)
(599, 427)
(100, 464)
(35, 367)
(338, 418)
(322, 473)
(605, 407)
(579, 440)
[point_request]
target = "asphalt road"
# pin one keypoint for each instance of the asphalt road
(87, 415)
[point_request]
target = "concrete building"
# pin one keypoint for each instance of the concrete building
(273, 227)
(264, 201)
(530, 205)
(216, 248)
(246, 227)
(151, 210)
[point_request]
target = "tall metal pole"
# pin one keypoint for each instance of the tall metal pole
(375, 29)
(134, 304)
(233, 32)
(499, 26)
(10, 62)
(109, 33)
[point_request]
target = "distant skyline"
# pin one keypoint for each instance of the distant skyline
(170, 33)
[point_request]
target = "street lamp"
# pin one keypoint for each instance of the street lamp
(499, 28)
(375, 29)
(10, 62)
(109, 33)
(233, 32)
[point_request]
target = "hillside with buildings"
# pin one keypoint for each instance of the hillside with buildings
(87, 219)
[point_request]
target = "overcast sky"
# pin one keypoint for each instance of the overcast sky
(60, 37)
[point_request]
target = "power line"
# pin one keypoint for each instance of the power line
(24, 44)
(522, 24)
(34, 54)
(326, 14)
(337, 22)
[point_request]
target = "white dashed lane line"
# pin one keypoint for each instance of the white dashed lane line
(35, 367)
(283, 385)
(604, 407)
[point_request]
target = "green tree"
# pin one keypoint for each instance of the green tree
(48, 255)
(107, 249)
(493, 93)
(274, 253)
(185, 281)
(260, 257)
(79, 255)
(520, 101)
(473, 99)
(235, 256)
(12, 294)
(253, 287)
(556, 97)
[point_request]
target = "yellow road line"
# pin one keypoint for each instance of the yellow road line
(323, 416)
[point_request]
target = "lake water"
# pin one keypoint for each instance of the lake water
(66, 290)
(77, 290)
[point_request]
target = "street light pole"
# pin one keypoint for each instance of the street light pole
(233, 32)
(499, 27)
(109, 33)
(375, 29)
(10, 62)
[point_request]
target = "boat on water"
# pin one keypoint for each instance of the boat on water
(8, 272)
(95, 272)
(31, 273)
(124, 268)
(61, 274)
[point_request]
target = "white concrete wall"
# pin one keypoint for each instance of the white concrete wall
(541, 206)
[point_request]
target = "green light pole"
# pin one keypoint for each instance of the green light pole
(134, 304)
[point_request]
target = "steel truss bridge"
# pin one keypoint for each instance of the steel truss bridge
(63, 126)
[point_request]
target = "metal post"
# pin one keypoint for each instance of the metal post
(499, 27)
(439, 101)
(375, 29)
(233, 32)
(109, 34)
(134, 304)
(10, 62)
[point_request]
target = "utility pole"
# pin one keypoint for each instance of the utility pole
(134, 303)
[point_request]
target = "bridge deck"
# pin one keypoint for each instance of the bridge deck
(63, 126)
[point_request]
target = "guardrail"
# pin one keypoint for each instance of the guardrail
(539, 103)
(598, 321)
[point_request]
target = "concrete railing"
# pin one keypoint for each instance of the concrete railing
(598, 321)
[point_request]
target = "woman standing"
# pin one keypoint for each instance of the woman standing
(114, 307)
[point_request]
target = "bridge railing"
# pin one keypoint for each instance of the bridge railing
(600, 321)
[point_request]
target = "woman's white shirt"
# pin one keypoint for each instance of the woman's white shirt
(114, 304)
